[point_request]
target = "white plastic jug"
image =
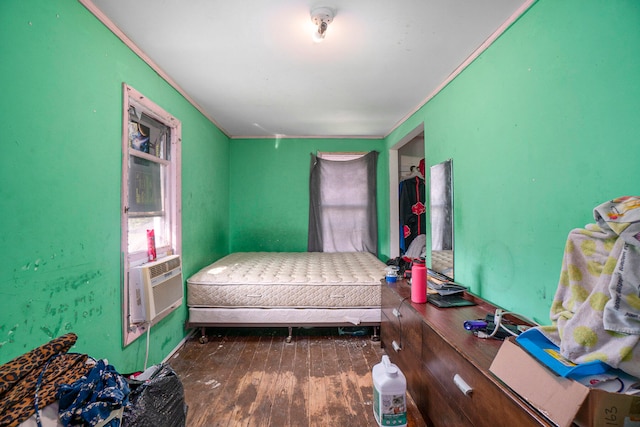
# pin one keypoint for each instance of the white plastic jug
(389, 394)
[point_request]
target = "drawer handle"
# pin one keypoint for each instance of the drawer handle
(462, 385)
(396, 346)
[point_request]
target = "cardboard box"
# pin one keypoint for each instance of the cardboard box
(560, 399)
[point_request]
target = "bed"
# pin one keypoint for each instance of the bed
(442, 262)
(292, 289)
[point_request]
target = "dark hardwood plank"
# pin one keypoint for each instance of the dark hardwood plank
(284, 385)
(205, 382)
(354, 401)
(253, 378)
(260, 410)
(361, 375)
(317, 385)
(247, 389)
(299, 410)
(228, 399)
(339, 411)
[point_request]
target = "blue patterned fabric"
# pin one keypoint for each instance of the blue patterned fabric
(91, 399)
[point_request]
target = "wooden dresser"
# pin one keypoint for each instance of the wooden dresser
(440, 359)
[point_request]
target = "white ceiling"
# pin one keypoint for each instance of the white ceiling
(252, 68)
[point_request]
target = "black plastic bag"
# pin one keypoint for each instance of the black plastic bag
(157, 401)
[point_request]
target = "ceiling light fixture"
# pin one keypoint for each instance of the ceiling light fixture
(321, 17)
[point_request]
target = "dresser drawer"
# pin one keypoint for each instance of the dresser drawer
(403, 353)
(484, 403)
(437, 407)
(390, 334)
(406, 323)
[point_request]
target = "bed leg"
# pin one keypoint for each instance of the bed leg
(288, 340)
(203, 336)
(375, 337)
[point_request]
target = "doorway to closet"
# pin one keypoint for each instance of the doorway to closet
(404, 156)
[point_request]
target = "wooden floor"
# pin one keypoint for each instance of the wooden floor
(252, 377)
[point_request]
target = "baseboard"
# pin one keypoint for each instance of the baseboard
(180, 344)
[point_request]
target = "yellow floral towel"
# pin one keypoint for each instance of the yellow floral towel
(595, 312)
(621, 217)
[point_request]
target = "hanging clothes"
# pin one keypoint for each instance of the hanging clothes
(412, 210)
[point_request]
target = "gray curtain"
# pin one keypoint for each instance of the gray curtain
(342, 205)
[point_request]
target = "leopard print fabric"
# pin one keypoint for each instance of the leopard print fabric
(19, 378)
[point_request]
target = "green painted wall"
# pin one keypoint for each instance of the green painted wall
(269, 191)
(542, 128)
(62, 73)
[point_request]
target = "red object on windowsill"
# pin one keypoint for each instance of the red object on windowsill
(151, 245)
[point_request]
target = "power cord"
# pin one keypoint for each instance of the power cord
(400, 320)
(146, 357)
(497, 320)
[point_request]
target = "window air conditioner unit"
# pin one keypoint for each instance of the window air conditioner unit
(155, 289)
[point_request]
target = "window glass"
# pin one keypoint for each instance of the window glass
(150, 190)
(150, 186)
(145, 186)
(342, 203)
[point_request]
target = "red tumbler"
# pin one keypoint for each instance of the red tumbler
(418, 282)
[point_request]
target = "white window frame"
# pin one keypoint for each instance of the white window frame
(132, 99)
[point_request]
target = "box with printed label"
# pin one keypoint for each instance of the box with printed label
(562, 400)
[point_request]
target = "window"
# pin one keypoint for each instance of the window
(150, 187)
(342, 209)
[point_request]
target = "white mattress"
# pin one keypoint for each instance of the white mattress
(289, 280)
(442, 262)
